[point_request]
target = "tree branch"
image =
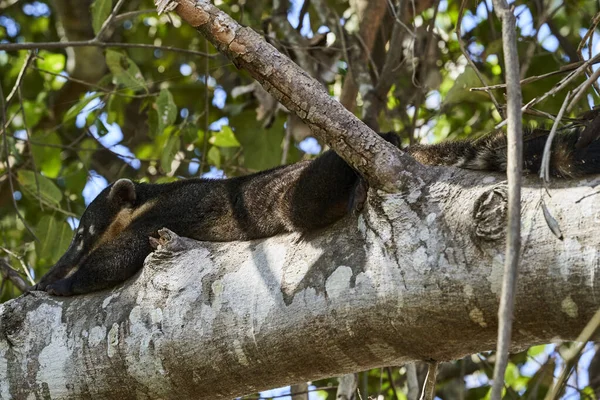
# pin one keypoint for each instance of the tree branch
(514, 170)
(379, 162)
(412, 266)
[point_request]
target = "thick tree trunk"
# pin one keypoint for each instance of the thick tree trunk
(415, 277)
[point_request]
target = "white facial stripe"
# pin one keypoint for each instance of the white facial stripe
(81, 230)
(80, 246)
(92, 229)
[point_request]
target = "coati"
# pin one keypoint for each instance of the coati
(113, 237)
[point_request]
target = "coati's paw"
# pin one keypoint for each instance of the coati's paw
(170, 241)
(165, 237)
(60, 288)
(40, 286)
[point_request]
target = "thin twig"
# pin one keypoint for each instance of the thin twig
(468, 57)
(428, 392)
(565, 68)
(20, 76)
(21, 261)
(92, 43)
(513, 172)
(590, 38)
(10, 274)
(523, 109)
(29, 136)
(568, 79)
(97, 87)
(7, 160)
(388, 371)
(128, 15)
(585, 336)
(545, 167)
(108, 21)
(582, 89)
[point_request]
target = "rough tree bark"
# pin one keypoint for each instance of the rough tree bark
(415, 277)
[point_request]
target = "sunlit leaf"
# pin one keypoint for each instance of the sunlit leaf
(125, 71)
(166, 110)
(170, 150)
(46, 150)
(39, 186)
(460, 90)
(53, 62)
(55, 236)
(214, 157)
(100, 11)
(224, 138)
(74, 111)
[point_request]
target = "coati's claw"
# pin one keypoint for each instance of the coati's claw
(166, 235)
(58, 289)
(154, 242)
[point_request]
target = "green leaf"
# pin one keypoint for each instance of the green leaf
(214, 157)
(100, 11)
(74, 111)
(165, 109)
(46, 151)
(536, 350)
(34, 112)
(48, 191)
(460, 90)
(170, 150)
(224, 138)
(191, 134)
(55, 236)
(53, 62)
(262, 146)
(125, 71)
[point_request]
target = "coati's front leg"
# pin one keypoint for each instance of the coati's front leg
(106, 266)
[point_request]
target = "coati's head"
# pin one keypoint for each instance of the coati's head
(103, 220)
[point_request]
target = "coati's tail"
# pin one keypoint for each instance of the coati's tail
(489, 153)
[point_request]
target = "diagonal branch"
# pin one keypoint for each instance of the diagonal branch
(380, 163)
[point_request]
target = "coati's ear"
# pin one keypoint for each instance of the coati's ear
(122, 193)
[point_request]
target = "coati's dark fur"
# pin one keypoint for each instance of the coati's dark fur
(112, 240)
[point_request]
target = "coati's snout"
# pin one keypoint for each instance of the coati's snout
(103, 220)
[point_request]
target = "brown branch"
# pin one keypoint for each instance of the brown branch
(381, 164)
(428, 392)
(513, 172)
(573, 356)
(10, 274)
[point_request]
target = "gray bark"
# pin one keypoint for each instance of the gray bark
(416, 276)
